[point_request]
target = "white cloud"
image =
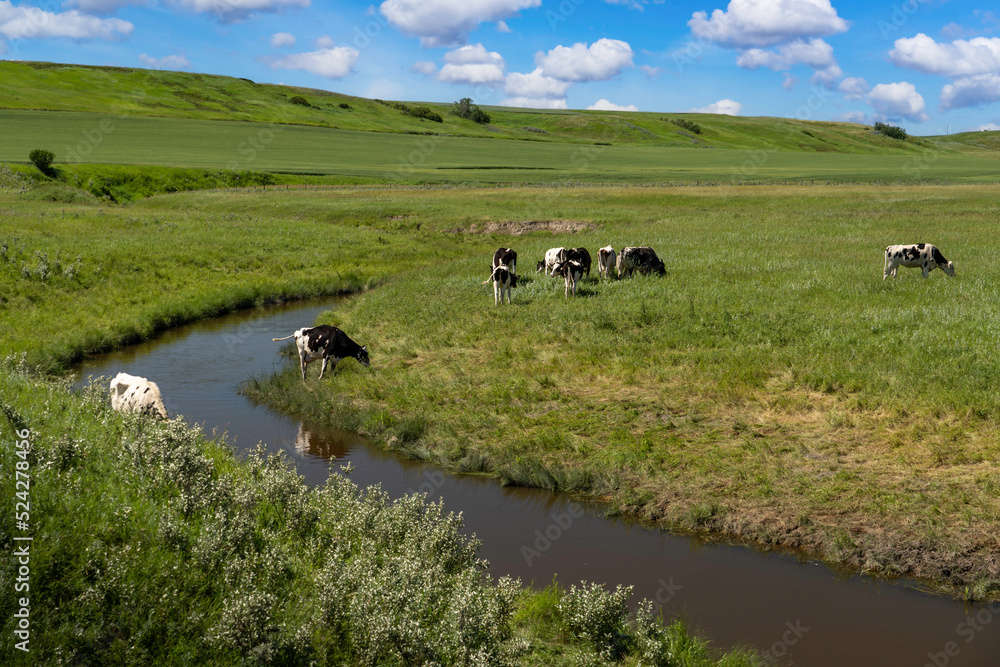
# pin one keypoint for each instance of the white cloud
(448, 22)
(815, 53)
(324, 42)
(898, 100)
(854, 88)
(534, 103)
(102, 7)
(474, 65)
(980, 55)
(280, 39)
(230, 11)
(20, 22)
(535, 85)
(725, 107)
(988, 127)
(503, 27)
(600, 61)
(605, 105)
(852, 117)
(649, 70)
(166, 62)
(758, 23)
(789, 83)
(333, 63)
(423, 67)
(971, 91)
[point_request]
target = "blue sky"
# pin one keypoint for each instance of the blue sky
(931, 66)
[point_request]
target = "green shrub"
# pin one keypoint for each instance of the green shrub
(425, 112)
(298, 99)
(688, 125)
(464, 108)
(43, 159)
(890, 131)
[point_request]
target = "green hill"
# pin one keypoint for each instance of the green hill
(153, 93)
(148, 121)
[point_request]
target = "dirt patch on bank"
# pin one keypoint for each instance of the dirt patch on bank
(519, 227)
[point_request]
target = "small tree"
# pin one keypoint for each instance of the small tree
(890, 131)
(43, 159)
(464, 108)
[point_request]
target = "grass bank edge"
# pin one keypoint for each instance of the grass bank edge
(143, 500)
(403, 434)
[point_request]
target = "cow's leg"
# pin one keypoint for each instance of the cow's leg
(322, 368)
(302, 365)
(926, 269)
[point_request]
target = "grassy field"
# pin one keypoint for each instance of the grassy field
(155, 546)
(770, 386)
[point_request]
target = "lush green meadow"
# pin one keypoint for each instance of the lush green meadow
(155, 546)
(80, 139)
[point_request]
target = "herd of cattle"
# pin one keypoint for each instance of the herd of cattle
(571, 264)
(130, 393)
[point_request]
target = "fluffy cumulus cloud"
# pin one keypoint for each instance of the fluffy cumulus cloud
(749, 24)
(815, 53)
(448, 22)
(725, 107)
(280, 39)
(332, 63)
(606, 105)
(474, 65)
(898, 100)
(166, 62)
(600, 61)
(961, 57)
(25, 22)
(535, 90)
(230, 11)
(852, 117)
(971, 91)
(854, 88)
(425, 67)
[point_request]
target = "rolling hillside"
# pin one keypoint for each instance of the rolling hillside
(153, 93)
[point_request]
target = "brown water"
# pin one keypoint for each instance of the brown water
(799, 611)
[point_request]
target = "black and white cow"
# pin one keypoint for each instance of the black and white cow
(606, 259)
(924, 255)
(580, 255)
(553, 256)
(503, 280)
(327, 343)
(505, 257)
(571, 271)
(131, 393)
(642, 259)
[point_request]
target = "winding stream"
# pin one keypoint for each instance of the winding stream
(799, 612)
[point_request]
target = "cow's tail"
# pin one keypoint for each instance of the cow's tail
(285, 338)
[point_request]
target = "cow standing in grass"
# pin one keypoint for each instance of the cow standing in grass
(553, 256)
(571, 271)
(606, 259)
(923, 255)
(327, 343)
(503, 280)
(505, 257)
(580, 255)
(642, 259)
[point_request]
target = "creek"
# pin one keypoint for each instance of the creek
(796, 610)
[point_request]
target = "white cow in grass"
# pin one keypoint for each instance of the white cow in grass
(606, 260)
(923, 255)
(130, 393)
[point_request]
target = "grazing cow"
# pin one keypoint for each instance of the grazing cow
(505, 257)
(571, 270)
(580, 255)
(503, 280)
(641, 258)
(606, 260)
(924, 255)
(327, 343)
(130, 393)
(553, 256)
